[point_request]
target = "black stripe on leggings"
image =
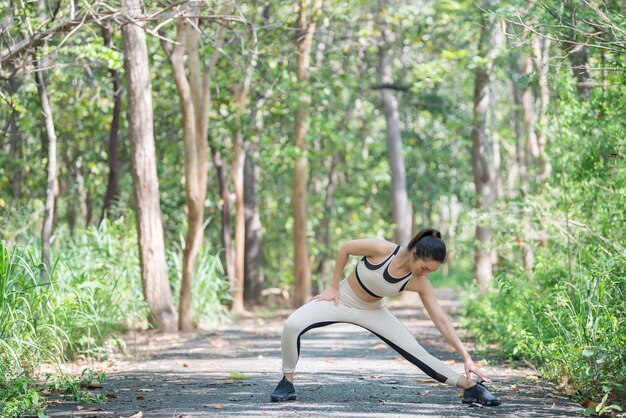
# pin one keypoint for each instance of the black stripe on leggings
(315, 325)
(410, 357)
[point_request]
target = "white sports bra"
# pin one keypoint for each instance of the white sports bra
(376, 280)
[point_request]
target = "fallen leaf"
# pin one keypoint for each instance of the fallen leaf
(375, 376)
(140, 398)
(237, 375)
(379, 347)
(399, 359)
(450, 361)
(514, 388)
(185, 365)
(217, 342)
(137, 415)
(331, 361)
(218, 406)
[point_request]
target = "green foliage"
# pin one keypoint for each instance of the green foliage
(23, 396)
(19, 398)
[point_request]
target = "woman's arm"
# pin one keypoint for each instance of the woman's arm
(369, 247)
(429, 299)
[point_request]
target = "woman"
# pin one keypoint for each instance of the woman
(386, 269)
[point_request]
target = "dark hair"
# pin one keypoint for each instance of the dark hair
(428, 245)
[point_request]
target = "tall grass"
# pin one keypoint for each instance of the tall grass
(94, 292)
(572, 326)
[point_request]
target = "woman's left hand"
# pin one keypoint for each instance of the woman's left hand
(471, 367)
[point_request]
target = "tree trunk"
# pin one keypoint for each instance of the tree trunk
(530, 143)
(302, 269)
(154, 277)
(194, 96)
(113, 145)
(51, 181)
(541, 47)
(224, 206)
(482, 158)
(402, 208)
(254, 278)
(239, 158)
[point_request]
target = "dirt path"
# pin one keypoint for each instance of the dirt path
(343, 372)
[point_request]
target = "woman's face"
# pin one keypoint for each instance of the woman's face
(421, 267)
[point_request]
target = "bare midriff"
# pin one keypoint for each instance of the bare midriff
(360, 292)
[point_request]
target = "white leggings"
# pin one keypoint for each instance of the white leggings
(374, 317)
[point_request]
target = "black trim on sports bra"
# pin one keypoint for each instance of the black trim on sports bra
(358, 279)
(391, 279)
(379, 265)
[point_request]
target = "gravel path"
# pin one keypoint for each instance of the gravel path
(343, 371)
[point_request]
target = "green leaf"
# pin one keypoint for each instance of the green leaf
(587, 352)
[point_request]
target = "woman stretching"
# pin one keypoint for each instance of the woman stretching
(386, 269)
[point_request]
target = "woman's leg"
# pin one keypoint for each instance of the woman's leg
(314, 314)
(387, 327)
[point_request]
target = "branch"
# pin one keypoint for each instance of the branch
(72, 25)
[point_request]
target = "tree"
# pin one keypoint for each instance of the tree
(402, 210)
(113, 145)
(241, 91)
(51, 145)
(482, 151)
(145, 182)
(302, 269)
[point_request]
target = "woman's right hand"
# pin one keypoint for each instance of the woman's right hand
(331, 293)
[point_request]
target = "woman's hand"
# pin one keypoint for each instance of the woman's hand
(471, 367)
(331, 293)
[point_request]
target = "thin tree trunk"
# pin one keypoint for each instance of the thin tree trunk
(402, 208)
(237, 169)
(482, 160)
(530, 144)
(113, 144)
(254, 278)
(154, 277)
(541, 47)
(302, 270)
(83, 196)
(224, 206)
(51, 181)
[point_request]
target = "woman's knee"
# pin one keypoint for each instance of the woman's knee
(294, 324)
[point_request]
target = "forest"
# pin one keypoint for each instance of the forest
(174, 165)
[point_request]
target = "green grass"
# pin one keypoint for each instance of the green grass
(574, 328)
(94, 293)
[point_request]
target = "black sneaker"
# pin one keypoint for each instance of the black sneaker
(284, 391)
(480, 394)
